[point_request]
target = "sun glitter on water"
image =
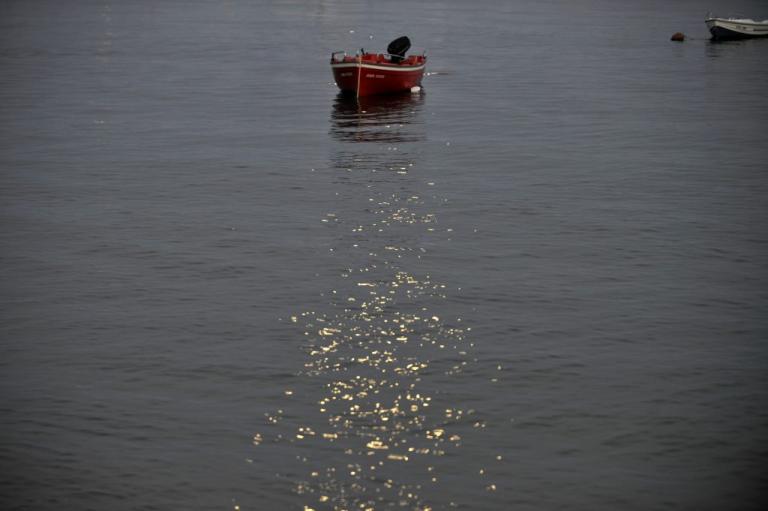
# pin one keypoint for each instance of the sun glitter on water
(374, 363)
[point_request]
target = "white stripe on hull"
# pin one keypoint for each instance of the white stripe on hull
(373, 66)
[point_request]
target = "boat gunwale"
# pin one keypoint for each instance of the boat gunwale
(738, 21)
(378, 66)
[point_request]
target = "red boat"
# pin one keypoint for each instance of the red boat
(366, 74)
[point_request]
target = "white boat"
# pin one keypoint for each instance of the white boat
(736, 28)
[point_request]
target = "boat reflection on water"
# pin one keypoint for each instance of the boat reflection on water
(390, 118)
(385, 132)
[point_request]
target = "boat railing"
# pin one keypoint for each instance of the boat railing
(342, 53)
(423, 54)
(335, 58)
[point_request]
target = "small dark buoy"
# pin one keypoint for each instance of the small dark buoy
(677, 36)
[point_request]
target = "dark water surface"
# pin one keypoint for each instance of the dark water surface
(539, 284)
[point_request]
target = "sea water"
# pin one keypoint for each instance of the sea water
(540, 283)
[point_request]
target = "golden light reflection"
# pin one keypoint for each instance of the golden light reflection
(373, 364)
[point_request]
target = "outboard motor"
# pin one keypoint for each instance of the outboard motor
(397, 49)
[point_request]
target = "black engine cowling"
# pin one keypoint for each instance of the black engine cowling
(397, 49)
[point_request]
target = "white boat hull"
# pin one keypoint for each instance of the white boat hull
(722, 28)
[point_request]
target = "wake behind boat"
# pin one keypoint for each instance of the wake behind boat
(367, 74)
(736, 28)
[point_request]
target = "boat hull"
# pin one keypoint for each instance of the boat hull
(368, 76)
(731, 29)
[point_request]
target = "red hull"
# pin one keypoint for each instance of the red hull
(370, 74)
